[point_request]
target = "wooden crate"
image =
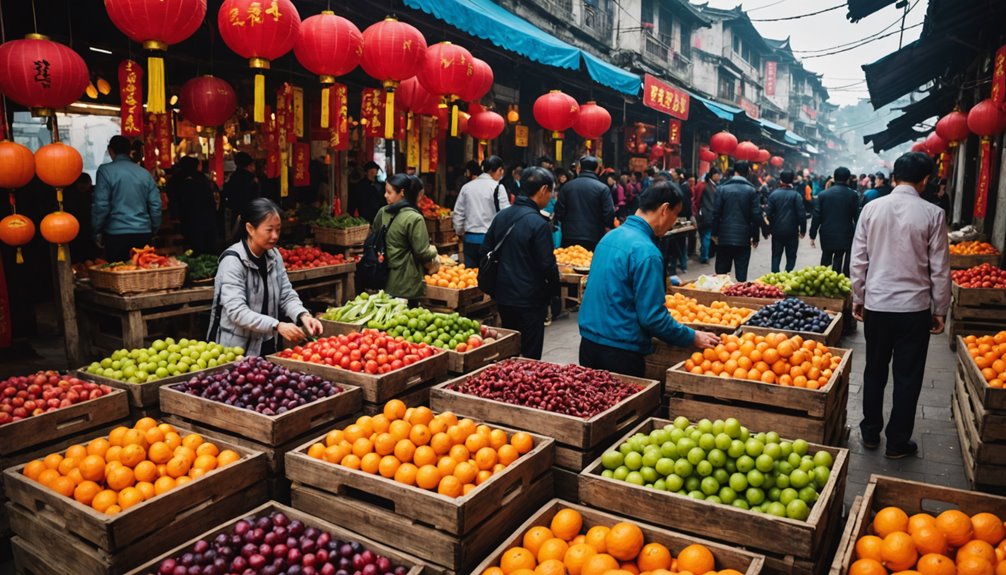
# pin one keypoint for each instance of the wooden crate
(984, 461)
(815, 415)
(977, 297)
(760, 533)
(434, 225)
(414, 397)
(351, 236)
(664, 357)
(913, 497)
(72, 420)
(507, 345)
(830, 337)
(321, 272)
(453, 299)
(147, 394)
(571, 288)
(455, 516)
(269, 430)
(726, 557)
(991, 402)
(376, 388)
(567, 430)
(338, 532)
(704, 297)
(963, 262)
(443, 553)
(444, 238)
(332, 328)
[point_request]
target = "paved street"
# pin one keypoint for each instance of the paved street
(939, 459)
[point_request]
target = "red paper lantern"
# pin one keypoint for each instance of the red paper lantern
(776, 161)
(260, 33)
(16, 230)
(935, 145)
(723, 143)
(392, 52)
(986, 118)
(58, 164)
(706, 155)
(763, 156)
(411, 95)
(59, 228)
(329, 46)
(156, 24)
(207, 101)
(953, 127)
(41, 74)
(592, 122)
(556, 111)
(17, 165)
(485, 126)
(920, 147)
(446, 69)
(746, 151)
(479, 84)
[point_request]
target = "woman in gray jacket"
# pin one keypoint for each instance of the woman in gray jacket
(252, 289)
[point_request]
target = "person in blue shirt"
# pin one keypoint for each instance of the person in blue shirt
(126, 207)
(623, 306)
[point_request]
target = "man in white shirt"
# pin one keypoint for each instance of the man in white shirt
(478, 203)
(901, 293)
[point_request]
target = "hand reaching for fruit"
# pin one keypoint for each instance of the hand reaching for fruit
(705, 339)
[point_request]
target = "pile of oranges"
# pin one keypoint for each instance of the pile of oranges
(130, 466)
(576, 256)
(952, 543)
(773, 358)
(413, 446)
(685, 309)
(973, 249)
(456, 277)
(989, 353)
(565, 546)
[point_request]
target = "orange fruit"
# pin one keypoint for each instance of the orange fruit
(974, 565)
(351, 461)
(428, 477)
(867, 567)
(47, 475)
(146, 470)
(516, 558)
(483, 476)
(132, 455)
(77, 452)
(577, 556)
(420, 434)
(164, 484)
(85, 492)
(450, 486)
(446, 465)
(421, 416)
(459, 453)
(145, 423)
(1001, 568)
(406, 474)
(192, 441)
(475, 442)
(920, 520)
(146, 489)
(424, 455)
(208, 449)
(129, 497)
(394, 409)
(332, 454)
(566, 524)
(115, 436)
(369, 463)
(227, 457)
(196, 473)
(550, 567)
(119, 478)
(98, 446)
(624, 541)
(384, 444)
(75, 476)
(493, 571)
(388, 466)
(63, 485)
(956, 526)
(441, 443)
(554, 548)
(113, 510)
(405, 450)
(399, 429)
(522, 442)
(134, 437)
(317, 450)
(888, 520)
(599, 564)
(53, 460)
(92, 468)
(177, 467)
(182, 480)
(498, 438)
(33, 468)
(929, 539)
(206, 462)
(362, 446)
(534, 538)
(334, 437)
(159, 452)
(653, 556)
(978, 548)
(104, 499)
(486, 458)
(595, 537)
(153, 435)
(465, 472)
(868, 547)
(898, 551)
(988, 527)
(936, 564)
(172, 439)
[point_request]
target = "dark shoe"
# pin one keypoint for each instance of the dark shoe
(908, 450)
(869, 443)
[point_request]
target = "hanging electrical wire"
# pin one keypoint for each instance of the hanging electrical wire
(885, 29)
(843, 4)
(861, 44)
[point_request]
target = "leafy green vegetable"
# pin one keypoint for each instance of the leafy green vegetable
(340, 222)
(201, 267)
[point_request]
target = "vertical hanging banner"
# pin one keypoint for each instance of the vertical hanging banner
(338, 108)
(284, 122)
(412, 139)
(218, 158)
(298, 112)
(371, 108)
(131, 98)
(984, 175)
(149, 145)
(301, 164)
(271, 146)
(770, 77)
(999, 75)
(429, 147)
(163, 139)
(674, 132)
(520, 135)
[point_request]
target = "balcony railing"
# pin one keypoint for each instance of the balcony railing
(658, 53)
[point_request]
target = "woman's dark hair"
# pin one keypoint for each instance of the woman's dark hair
(258, 210)
(560, 172)
(532, 179)
(472, 168)
(408, 185)
(658, 194)
(491, 164)
(712, 172)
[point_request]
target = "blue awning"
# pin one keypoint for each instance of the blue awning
(771, 125)
(793, 138)
(721, 111)
(489, 21)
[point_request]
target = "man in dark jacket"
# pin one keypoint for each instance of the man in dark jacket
(681, 241)
(835, 213)
(737, 221)
(786, 219)
(527, 276)
(366, 196)
(703, 204)
(241, 187)
(584, 209)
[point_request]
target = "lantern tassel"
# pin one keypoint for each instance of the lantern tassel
(325, 92)
(59, 197)
(454, 121)
(284, 180)
(589, 142)
(389, 114)
(259, 111)
(20, 256)
(60, 253)
(155, 85)
(557, 136)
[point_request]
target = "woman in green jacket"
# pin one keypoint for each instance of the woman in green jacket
(407, 243)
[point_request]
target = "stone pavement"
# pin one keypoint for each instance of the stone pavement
(939, 460)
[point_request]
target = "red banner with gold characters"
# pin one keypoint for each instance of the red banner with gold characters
(271, 146)
(372, 110)
(674, 132)
(163, 139)
(338, 105)
(999, 75)
(984, 175)
(131, 98)
(149, 145)
(665, 98)
(301, 164)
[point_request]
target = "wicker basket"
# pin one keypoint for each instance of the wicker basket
(352, 236)
(137, 281)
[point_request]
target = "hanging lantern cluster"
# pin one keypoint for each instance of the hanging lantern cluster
(392, 52)
(706, 155)
(557, 112)
(59, 166)
(17, 168)
(985, 119)
(934, 144)
(329, 46)
(953, 127)
(592, 122)
(746, 151)
(446, 71)
(776, 161)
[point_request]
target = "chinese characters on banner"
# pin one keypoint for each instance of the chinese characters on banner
(338, 109)
(984, 174)
(131, 96)
(520, 136)
(412, 154)
(285, 135)
(301, 164)
(149, 145)
(749, 107)
(218, 158)
(665, 98)
(371, 110)
(999, 76)
(674, 132)
(298, 112)
(271, 146)
(429, 146)
(770, 75)
(163, 139)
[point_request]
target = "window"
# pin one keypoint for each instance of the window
(737, 44)
(646, 13)
(727, 88)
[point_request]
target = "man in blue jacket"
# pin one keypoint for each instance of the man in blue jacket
(127, 204)
(623, 307)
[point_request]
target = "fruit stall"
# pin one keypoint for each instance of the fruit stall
(979, 410)
(978, 302)
(965, 255)
(797, 486)
(455, 289)
(318, 275)
(574, 267)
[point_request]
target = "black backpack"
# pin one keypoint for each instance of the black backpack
(372, 269)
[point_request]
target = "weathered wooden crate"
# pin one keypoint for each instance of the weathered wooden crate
(704, 297)
(790, 546)
(33, 431)
(266, 429)
(912, 497)
(414, 397)
(452, 298)
(727, 557)
(981, 429)
(147, 394)
(439, 225)
(817, 415)
(963, 262)
(351, 236)
(79, 540)
(507, 345)
(831, 336)
(338, 532)
(977, 297)
(664, 357)
(321, 272)
(442, 238)
(375, 388)
(990, 402)
(332, 328)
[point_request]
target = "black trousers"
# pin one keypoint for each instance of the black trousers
(737, 257)
(905, 338)
(530, 322)
(117, 246)
(587, 244)
(784, 244)
(838, 260)
(598, 356)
